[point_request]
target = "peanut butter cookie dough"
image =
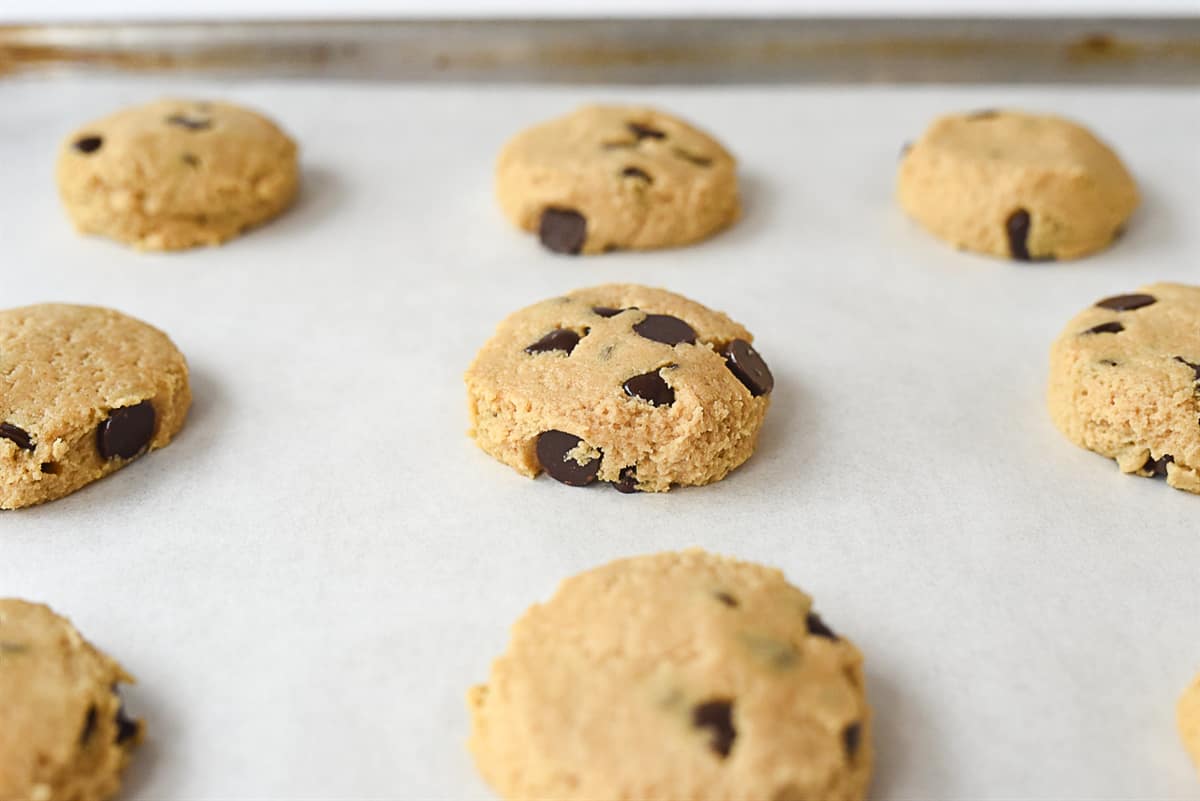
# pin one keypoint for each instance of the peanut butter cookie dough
(176, 173)
(64, 734)
(1124, 382)
(1023, 186)
(83, 391)
(674, 676)
(622, 383)
(617, 177)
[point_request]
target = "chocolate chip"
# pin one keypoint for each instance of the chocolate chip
(650, 387)
(559, 339)
(1195, 367)
(1106, 328)
(1108, 362)
(89, 144)
(717, 716)
(749, 368)
(1127, 302)
(552, 449)
(699, 161)
(50, 468)
(126, 431)
(191, 123)
(16, 435)
(665, 329)
(1017, 226)
(89, 725)
(634, 172)
(850, 738)
(817, 627)
(606, 311)
(627, 482)
(1157, 468)
(983, 114)
(127, 728)
(726, 599)
(563, 230)
(645, 131)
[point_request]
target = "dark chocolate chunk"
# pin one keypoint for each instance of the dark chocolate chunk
(17, 435)
(699, 161)
(126, 431)
(817, 627)
(559, 339)
(50, 468)
(850, 738)
(627, 483)
(1195, 367)
(634, 172)
(552, 449)
(127, 728)
(191, 123)
(606, 311)
(749, 368)
(1157, 468)
(88, 144)
(1106, 328)
(718, 717)
(650, 387)
(726, 599)
(1127, 302)
(563, 230)
(89, 725)
(665, 329)
(646, 132)
(1017, 227)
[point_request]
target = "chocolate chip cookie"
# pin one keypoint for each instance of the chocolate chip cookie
(619, 383)
(1125, 382)
(1189, 720)
(617, 177)
(64, 734)
(83, 391)
(176, 173)
(674, 676)
(1024, 186)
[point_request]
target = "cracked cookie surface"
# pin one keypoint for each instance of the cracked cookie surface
(1023, 186)
(1125, 382)
(64, 734)
(175, 174)
(621, 383)
(617, 177)
(676, 675)
(83, 391)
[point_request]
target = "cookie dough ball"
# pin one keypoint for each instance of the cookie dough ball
(1189, 720)
(617, 177)
(621, 383)
(1123, 382)
(176, 173)
(64, 735)
(83, 391)
(674, 676)
(1023, 186)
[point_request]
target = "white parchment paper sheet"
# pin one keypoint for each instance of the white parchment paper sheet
(309, 578)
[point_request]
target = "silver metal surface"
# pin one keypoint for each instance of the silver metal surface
(1008, 51)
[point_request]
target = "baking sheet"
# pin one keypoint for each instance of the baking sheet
(309, 578)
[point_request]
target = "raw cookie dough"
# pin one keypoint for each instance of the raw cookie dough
(64, 735)
(1027, 186)
(1189, 720)
(176, 173)
(620, 383)
(617, 177)
(1123, 382)
(83, 391)
(674, 676)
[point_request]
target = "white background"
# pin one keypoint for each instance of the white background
(307, 581)
(27, 10)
